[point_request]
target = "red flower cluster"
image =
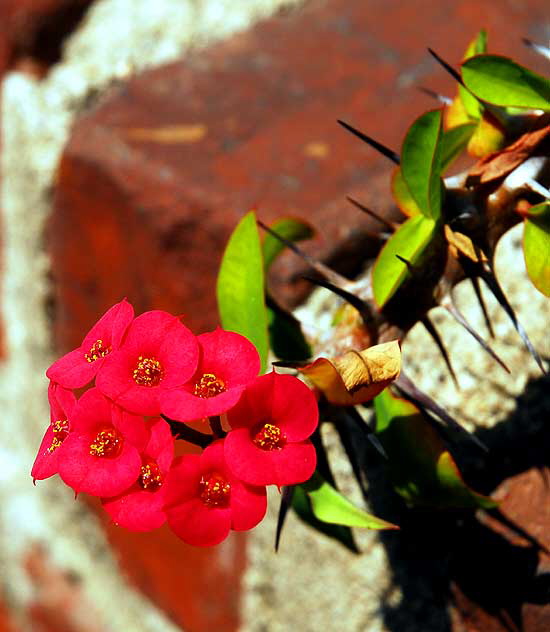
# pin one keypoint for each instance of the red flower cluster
(152, 375)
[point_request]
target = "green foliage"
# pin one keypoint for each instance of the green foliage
(330, 506)
(302, 506)
(421, 163)
(423, 471)
(411, 242)
(402, 195)
(536, 246)
(291, 229)
(503, 82)
(240, 288)
(474, 109)
(454, 142)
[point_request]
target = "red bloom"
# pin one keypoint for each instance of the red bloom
(77, 368)
(271, 425)
(62, 402)
(102, 454)
(141, 508)
(158, 353)
(204, 500)
(228, 362)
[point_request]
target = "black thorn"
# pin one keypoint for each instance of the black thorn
(477, 290)
(490, 279)
(360, 305)
(385, 151)
(452, 71)
(320, 267)
(382, 220)
(426, 403)
(286, 501)
(410, 266)
(431, 329)
(459, 317)
(367, 431)
(182, 431)
(435, 95)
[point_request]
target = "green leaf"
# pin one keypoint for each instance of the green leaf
(453, 142)
(411, 241)
(501, 81)
(302, 506)
(291, 229)
(286, 337)
(477, 46)
(423, 471)
(240, 287)
(402, 195)
(421, 163)
(330, 506)
(536, 246)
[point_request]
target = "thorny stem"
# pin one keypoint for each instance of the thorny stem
(182, 431)
(216, 426)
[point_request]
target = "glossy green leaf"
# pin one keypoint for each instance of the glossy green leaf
(536, 246)
(477, 46)
(411, 241)
(453, 142)
(423, 471)
(240, 287)
(302, 506)
(501, 81)
(330, 506)
(291, 229)
(402, 195)
(421, 163)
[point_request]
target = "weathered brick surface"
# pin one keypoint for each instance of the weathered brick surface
(510, 579)
(31, 31)
(157, 173)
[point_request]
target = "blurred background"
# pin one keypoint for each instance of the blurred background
(134, 135)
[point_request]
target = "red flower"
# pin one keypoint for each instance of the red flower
(77, 368)
(141, 508)
(102, 454)
(62, 402)
(227, 363)
(271, 425)
(158, 353)
(204, 500)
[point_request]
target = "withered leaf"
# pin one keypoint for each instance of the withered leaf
(460, 243)
(500, 163)
(356, 376)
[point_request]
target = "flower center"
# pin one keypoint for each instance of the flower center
(269, 437)
(215, 490)
(150, 477)
(148, 372)
(209, 386)
(97, 350)
(107, 443)
(60, 431)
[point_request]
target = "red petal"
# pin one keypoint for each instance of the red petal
(183, 480)
(292, 464)
(73, 370)
(282, 399)
(46, 463)
(94, 475)
(248, 505)
(137, 510)
(111, 327)
(230, 356)
(199, 525)
(182, 405)
(91, 411)
(161, 444)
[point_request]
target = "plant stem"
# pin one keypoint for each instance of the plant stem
(216, 426)
(181, 431)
